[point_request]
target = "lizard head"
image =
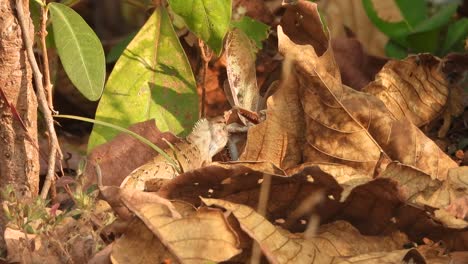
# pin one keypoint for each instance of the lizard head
(211, 133)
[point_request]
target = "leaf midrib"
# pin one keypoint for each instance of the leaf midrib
(58, 12)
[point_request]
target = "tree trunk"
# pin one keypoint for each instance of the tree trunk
(19, 157)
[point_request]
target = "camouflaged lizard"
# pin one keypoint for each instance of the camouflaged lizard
(207, 138)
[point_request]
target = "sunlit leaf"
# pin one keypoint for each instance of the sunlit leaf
(79, 49)
(208, 19)
(151, 80)
(255, 30)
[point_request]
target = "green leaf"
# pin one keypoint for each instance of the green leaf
(118, 49)
(394, 50)
(414, 11)
(456, 34)
(79, 49)
(395, 30)
(255, 30)
(438, 20)
(424, 41)
(151, 80)
(208, 19)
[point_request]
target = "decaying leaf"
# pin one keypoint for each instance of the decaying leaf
(280, 246)
(340, 238)
(140, 245)
(281, 137)
(202, 235)
(343, 125)
(240, 58)
(116, 158)
(413, 88)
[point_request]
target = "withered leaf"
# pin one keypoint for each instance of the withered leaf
(203, 235)
(340, 238)
(280, 138)
(241, 71)
(140, 245)
(413, 88)
(116, 158)
(241, 182)
(343, 125)
(280, 246)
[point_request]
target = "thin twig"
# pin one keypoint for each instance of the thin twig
(45, 58)
(41, 98)
(206, 57)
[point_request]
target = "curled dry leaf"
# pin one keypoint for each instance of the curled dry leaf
(279, 139)
(241, 71)
(413, 88)
(342, 125)
(280, 246)
(202, 235)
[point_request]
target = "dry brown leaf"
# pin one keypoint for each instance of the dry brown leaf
(279, 139)
(241, 73)
(342, 125)
(103, 256)
(204, 235)
(351, 14)
(280, 246)
(140, 245)
(413, 88)
(116, 158)
(340, 238)
(241, 183)
(397, 256)
(373, 207)
(417, 188)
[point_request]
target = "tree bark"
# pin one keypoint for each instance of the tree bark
(19, 157)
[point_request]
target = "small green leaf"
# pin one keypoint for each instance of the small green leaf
(255, 30)
(394, 50)
(456, 34)
(438, 20)
(208, 19)
(79, 49)
(151, 80)
(118, 49)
